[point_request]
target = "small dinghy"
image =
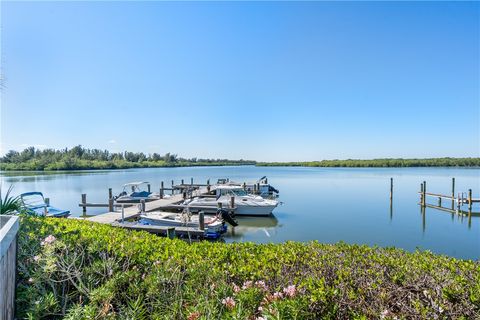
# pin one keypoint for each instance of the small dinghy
(34, 203)
(214, 225)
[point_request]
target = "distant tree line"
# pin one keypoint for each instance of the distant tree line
(433, 162)
(78, 158)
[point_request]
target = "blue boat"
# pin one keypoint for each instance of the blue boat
(34, 203)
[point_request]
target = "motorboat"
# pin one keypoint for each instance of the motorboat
(133, 192)
(214, 225)
(244, 203)
(261, 186)
(34, 203)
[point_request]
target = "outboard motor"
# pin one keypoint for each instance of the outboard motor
(227, 217)
(272, 189)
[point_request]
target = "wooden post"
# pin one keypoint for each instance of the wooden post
(148, 188)
(258, 188)
(191, 181)
(123, 212)
(219, 205)
(208, 188)
(171, 232)
(469, 200)
(421, 194)
(84, 202)
(208, 181)
(161, 190)
(110, 205)
(184, 195)
(182, 182)
(201, 220)
(439, 201)
(391, 188)
(266, 180)
(142, 205)
(244, 186)
(232, 202)
(254, 188)
(47, 202)
(424, 191)
(173, 191)
(110, 194)
(453, 193)
(458, 203)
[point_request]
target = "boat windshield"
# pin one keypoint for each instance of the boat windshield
(234, 192)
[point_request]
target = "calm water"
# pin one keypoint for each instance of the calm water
(324, 204)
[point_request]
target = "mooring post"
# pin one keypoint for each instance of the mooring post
(184, 195)
(421, 194)
(171, 232)
(47, 202)
(232, 202)
(161, 190)
(439, 201)
(123, 212)
(266, 180)
(110, 194)
(191, 181)
(201, 220)
(244, 186)
(172, 187)
(142, 205)
(258, 187)
(469, 200)
(458, 203)
(424, 193)
(182, 182)
(84, 203)
(148, 188)
(391, 188)
(254, 188)
(110, 205)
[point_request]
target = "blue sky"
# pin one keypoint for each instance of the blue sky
(255, 80)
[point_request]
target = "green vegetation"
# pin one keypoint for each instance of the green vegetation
(79, 158)
(76, 269)
(9, 204)
(433, 162)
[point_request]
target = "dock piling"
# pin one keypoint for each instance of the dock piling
(110, 205)
(391, 189)
(110, 193)
(171, 233)
(148, 187)
(142, 206)
(453, 193)
(201, 220)
(232, 202)
(161, 190)
(424, 191)
(191, 181)
(469, 200)
(84, 202)
(47, 202)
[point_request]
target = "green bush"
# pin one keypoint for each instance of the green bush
(76, 269)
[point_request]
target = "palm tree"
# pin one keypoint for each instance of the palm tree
(9, 204)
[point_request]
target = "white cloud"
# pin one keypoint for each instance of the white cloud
(112, 141)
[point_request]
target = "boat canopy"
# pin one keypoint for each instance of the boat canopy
(135, 184)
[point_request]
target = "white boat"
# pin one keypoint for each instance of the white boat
(132, 192)
(262, 187)
(244, 203)
(214, 225)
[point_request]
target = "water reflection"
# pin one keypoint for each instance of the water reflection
(267, 226)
